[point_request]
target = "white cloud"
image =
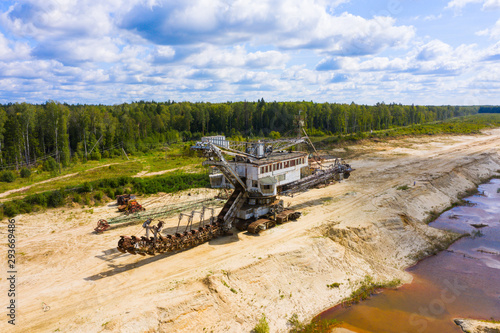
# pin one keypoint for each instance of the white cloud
(216, 50)
(433, 17)
(10, 50)
(494, 32)
(213, 56)
(299, 24)
(487, 4)
(432, 58)
(46, 19)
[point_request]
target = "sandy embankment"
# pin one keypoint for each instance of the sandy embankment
(362, 226)
(477, 326)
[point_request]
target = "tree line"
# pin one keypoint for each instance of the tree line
(489, 109)
(33, 133)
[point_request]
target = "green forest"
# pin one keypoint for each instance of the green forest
(32, 134)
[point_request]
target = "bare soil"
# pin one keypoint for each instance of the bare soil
(362, 226)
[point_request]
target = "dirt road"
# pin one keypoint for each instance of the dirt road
(371, 224)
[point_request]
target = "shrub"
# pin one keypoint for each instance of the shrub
(96, 156)
(274, 135)
(316, 325)
(87, 187)
(25, 173)
(10, 209)
(366, 289)
(36, 208)
(86, 199)
(8, 176)
(77, 198)
(110, 192)
(55, 199)
(98, 195)
(333, 285)
(262, 326)
(50, 164)
(37, 199)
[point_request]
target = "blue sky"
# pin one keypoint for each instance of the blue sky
(115, 51)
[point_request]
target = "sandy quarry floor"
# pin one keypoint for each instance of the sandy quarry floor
(347, 230)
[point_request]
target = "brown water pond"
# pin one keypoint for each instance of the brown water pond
(461, 282)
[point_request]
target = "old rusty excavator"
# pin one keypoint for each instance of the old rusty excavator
(259, 172)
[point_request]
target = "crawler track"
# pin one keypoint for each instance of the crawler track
(169, 243)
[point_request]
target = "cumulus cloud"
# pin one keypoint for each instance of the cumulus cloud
(79, 50)
(300, 24)
(216, 50)
(213, 56)
(432, 58)
(46, 19)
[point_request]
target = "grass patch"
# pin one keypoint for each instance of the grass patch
(366, 289)
(403, 187)
(173, 157)
(262, 326)
(315, 326)
(127, 168)
(333, 285)
(176, 156)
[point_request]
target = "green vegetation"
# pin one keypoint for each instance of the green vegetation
(175, 156)
(403, 187)
(489, 109)
(7, 176)
(56, 134)
(315, 326)
(367, 288)
(262, 326)
(109, 128)
(25, 173)
(471, 124)
(50, 165)
(274, 135)
(333, 285)
(93, 192)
